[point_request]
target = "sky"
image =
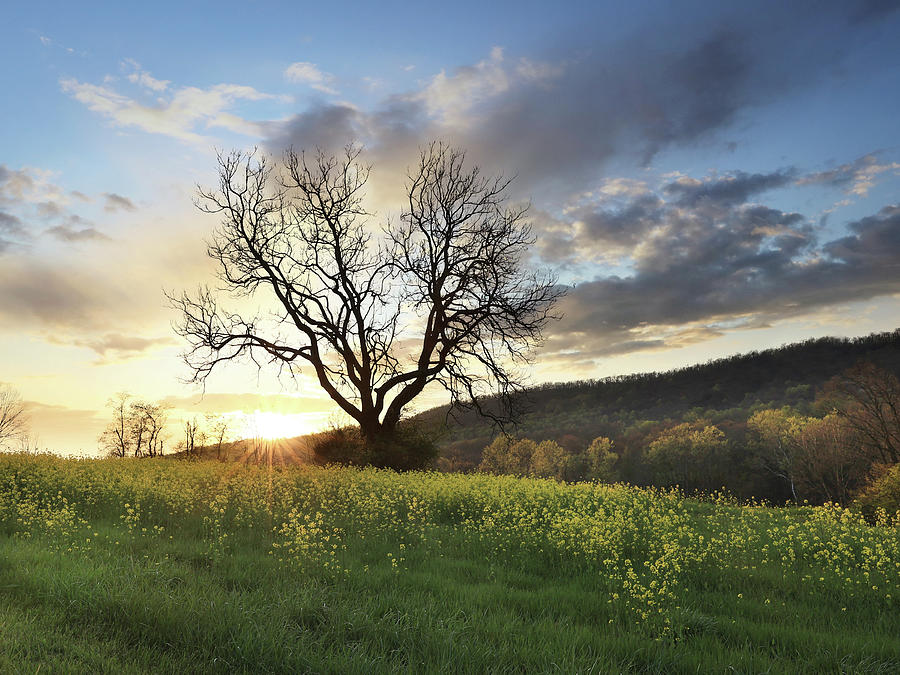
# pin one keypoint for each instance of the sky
(708, 178)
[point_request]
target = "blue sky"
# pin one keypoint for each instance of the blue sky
(711, 178)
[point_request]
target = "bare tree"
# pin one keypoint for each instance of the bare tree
(13, 416)
(115, 438)
(192, 434)
(137, 427)
(868, 400)
(148, 421)
(444, 297)
(218, 428)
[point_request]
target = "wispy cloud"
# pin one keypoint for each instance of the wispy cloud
(116, 202)
(856, 178)
(181, 115)
(118, 346)
(74, 235)
(143, 78)
(303, 72)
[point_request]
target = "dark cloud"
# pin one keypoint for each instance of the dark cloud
(621, 226)
(557, 123)
(712, 267)
(116, 202)
(875, 240)
(324, 125)
(735, 188)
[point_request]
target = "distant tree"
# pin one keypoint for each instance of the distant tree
(691, 455)
(549, 460)
(13, 416)
(777, 442)
(601, 460)
(832, 463)
(508, 455)
(115, 438)
(147, 422)
(453, 270)
(137, 427)
(867, 398)
(29, 443)
(194, 436)
(218, 428)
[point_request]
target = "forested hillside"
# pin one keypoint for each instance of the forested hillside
(632, 410)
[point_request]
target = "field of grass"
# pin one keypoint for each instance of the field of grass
(173, 566)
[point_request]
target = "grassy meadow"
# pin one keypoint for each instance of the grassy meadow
(174, 566)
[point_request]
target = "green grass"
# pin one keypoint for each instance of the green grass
(221, 568)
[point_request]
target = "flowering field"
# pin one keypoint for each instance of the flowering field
(164, 565)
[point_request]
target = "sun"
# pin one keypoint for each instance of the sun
(273, 425)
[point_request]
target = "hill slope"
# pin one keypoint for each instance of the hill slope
(573, 413)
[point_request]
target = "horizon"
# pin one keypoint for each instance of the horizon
(708, 182)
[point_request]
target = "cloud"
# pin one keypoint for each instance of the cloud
(715, 265)
(118, 346)
(856, 178)
(558, 122)
(179, 116)
(11, 231)
(60, 427)
(116, 202)
(735, 188)
(50, 209)
(27, 193)
(873, 241)
(16, 184)
(304, 72)
(143, 78)
(73, 235)
(34, 291)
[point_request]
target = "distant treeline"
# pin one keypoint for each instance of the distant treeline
(718, 408)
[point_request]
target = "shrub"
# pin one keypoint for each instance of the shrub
(411, 446)
(882, 492)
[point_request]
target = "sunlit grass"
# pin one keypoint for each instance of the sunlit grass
(197, 567)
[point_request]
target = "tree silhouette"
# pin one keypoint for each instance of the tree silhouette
(443, 297)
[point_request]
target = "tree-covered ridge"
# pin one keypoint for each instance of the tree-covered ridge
(634, 410)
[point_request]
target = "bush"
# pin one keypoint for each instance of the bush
(411, 446)
(882, 492)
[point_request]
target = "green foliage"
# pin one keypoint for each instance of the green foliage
(632, 410)
(600, 460)
(508, 455)
(882, 494)
(549, 460)
(692, 455)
